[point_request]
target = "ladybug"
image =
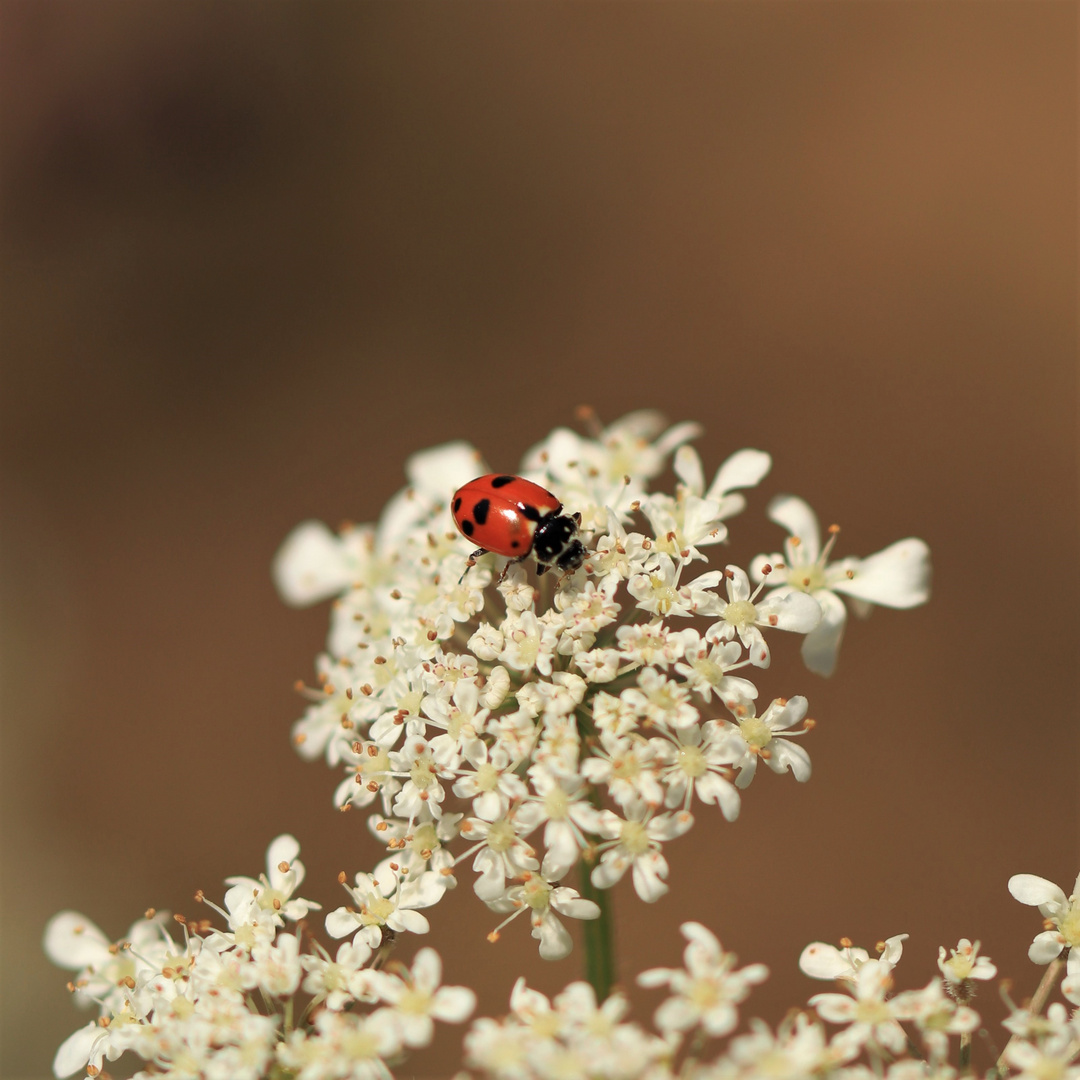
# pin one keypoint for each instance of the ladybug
(511, 516)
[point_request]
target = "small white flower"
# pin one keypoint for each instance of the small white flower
(964, 963)
(870, 1016)
(897, 577)
(823, 961)
(768, 737)
(707, 990)
(1063, 911)
(418, 1000)
(634, 844)
(544, 901)
(385, 899)
(273, 891)
(745, 618)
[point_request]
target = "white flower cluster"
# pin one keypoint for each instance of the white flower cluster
(249, 1002)
(923, 1034)
(191, 1008)
(525, 727)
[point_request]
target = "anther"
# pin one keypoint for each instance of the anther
(200, 896)
(341, 877)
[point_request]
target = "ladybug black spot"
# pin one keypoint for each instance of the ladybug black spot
(515, 544)
(467, 527)
(457, 505)
(501, 481)
(480, 511)
(530, 512)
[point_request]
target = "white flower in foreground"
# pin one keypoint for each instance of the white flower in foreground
(1045, 1046)
(768, 737)
(745, 617)
(870, 1016)
(936, 1016)
(418, 1000)
(544, 901)
(820, 960)
(1063, 911)
(635, 843)
(896, 577)
(963, 965)
(707, 989)
(272, 892)
(385, 899)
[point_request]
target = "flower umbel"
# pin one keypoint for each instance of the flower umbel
(561, 720)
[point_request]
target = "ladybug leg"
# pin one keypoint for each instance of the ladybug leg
(472, 562)
(511, 562)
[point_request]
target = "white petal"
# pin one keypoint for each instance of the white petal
(712, 788)
(796, 516)
(310, 565)
(555, 940)
(75, 1050)
(676, 435)
(688, 469)
(1033, 890)
(73, 941)
(820, 960)
(897, 577)
(649, 872)
(427, 969)
(412, 921)
(745, 468)
(786, 755)
(284, 849)
(341, 923)
(453, 1004)
(440, 471)
(796, 611)
(836, 1008)
(1046, 947)
(567, 902)
(821, 646)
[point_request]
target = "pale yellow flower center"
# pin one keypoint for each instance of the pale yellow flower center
(692, 761)
(487, 777)
(741, 614)
(1070, 925)
(634, 838)
(537, 893)
(424, 838)
(414, 1001)
(872, 1012)
(704, 994)
(501, 837)
(422, 773)
(756, 732)
(373, 766)
(377, 911)
(556, 804)
(708, 670)
(808, 577)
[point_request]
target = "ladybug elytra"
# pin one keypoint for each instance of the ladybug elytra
(511, 516)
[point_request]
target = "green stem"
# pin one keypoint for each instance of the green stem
(599, 938)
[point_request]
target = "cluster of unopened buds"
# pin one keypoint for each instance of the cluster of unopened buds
(534, 727)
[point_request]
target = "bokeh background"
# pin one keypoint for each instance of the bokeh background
(256, 254)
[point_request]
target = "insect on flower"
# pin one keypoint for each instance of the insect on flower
(511, 516)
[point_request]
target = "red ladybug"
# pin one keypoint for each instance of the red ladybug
(517, 518)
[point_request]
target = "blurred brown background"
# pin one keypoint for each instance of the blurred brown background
(256, 254)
